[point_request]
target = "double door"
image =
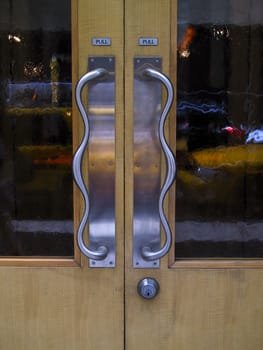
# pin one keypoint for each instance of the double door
(210, 280)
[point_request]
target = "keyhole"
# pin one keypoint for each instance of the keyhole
(148, 288)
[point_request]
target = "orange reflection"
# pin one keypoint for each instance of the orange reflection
(60, 160)
(187, 39)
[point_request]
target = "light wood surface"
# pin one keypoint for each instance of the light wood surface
(73, 307)
(196, 309)
(202, 305)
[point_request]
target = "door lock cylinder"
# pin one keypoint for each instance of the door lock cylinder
(148, 288)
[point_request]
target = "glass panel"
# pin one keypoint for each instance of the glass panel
(35, 128)
(219, 200)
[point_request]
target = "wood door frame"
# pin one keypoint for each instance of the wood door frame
(76, 260)
(198, 300)
(47, 303)
(175, 263)
(95, 28)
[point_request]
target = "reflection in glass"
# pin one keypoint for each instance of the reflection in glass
(219, 199)
(35, 129)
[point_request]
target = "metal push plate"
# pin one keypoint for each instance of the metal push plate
(147, 161)
(101, 155)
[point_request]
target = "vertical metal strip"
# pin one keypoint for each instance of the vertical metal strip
(147, 252)
(147, 159)
(101, 150)
(100, 252)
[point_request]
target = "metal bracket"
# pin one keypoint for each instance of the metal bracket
(147, 161)
(101, 155)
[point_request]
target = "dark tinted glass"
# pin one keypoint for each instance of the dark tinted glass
(35, 128)
(219, 200)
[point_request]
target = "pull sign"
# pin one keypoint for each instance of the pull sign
(101, 41)
(148, 41)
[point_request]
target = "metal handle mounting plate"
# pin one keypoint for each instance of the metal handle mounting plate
(99, 137)
(149, 143)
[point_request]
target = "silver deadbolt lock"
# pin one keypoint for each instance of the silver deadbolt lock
(148, 288)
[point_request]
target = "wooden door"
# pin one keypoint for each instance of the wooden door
(210, 288)
(211, 282)
(49, 297)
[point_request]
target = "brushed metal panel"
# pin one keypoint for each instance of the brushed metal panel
(147, 161)
(101, 151)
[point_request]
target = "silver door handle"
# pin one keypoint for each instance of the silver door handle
(101, 251)
(147, 252)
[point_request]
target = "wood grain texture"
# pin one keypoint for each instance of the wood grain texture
(60, 308)
(196, 309)
(73, 307)
(202, 305)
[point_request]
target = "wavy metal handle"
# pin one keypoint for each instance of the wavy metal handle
(101, 252)
(147, 252)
